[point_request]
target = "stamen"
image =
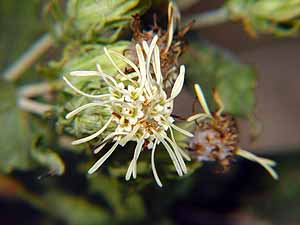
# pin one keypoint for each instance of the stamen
(153, 165)
(105, 77)
(82, 73)
(177, 154)
(132, 167)
(157, 67)
(170, 151)
(117, 67)
(181, 130)
(140, 147)
(266, 163)
(86, 139)
(81, 108)
(142, 65)
(145, 47)
(149, 55)
(170, 26)
(129, 136)
(112, 135)
(200, 116)
(182, 152)
(201, 99)
(173, 157)
(178, 85)
(98, 149)
(129, 62)
(103, 158)
(83, 93)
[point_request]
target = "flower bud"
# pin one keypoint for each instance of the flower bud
(87, 57)
(267, 16)
(101, 20)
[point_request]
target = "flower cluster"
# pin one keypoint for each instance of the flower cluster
(139, 107)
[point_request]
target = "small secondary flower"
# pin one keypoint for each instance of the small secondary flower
(216, 137)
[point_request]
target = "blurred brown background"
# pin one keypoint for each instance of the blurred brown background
(277, 61)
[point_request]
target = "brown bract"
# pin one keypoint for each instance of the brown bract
(170, 49)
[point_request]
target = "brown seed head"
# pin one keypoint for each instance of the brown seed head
(169, 53)
(216, 139)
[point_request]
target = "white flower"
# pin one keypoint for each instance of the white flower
(139, 107)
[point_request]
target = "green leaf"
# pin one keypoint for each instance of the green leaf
(127, 206)
(101, 20)
(86, 57)
(213, 68)
(47, 158)
(267, 16)
(75, 210)
(15, 136)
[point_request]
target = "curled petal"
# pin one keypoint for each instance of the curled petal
(201, 99)
(266, 163)
(84, 73)
(178, 83)
(86, 139)
(81, 108)
(103, 159)
(156, 177)
(83, 93)
(199, 116)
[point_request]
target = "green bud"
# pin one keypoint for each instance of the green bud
(267, 16)
(101, 20)
(86, 58)
(90, 120)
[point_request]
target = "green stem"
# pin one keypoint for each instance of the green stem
(33, 90)
(209, 18)
(14, 72)
(35, 107)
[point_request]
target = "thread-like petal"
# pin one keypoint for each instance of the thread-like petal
(103, 159)
(86, 139)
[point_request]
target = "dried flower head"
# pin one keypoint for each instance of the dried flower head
(171, 44)
(139, 108)
(216, 137)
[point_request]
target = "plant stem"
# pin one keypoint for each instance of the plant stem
(209, 18)
(33, 106)
(34, 90)
(14, 72)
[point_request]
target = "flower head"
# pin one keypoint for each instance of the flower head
(216, 137)
(139, 107)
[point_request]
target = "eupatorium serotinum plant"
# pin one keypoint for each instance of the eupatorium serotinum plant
(139, 108)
